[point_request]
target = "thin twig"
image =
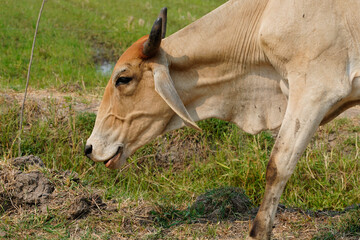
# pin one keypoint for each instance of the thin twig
(28, 77)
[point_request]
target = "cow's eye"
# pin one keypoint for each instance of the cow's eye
(122, 81)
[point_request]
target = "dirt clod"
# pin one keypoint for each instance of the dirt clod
(31, 188)
(25, 161)
(20, 188)
(24, 187)
(83, 205)
(80, 208)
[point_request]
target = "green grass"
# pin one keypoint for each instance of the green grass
(224, 203)
(174, 169)
(179, 166)
(76, 36)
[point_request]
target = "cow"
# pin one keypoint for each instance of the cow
(261, 64)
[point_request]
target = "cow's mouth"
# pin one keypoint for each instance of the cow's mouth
(114, 158)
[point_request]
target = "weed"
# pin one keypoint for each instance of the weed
(221, 203)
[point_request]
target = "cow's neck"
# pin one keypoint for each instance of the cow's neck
(227, 35)
(209, 57)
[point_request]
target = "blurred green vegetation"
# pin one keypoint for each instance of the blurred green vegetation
(75, 37)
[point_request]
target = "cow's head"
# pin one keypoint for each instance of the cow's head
(139, 101)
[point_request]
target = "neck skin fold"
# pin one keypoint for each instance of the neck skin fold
(211, 58)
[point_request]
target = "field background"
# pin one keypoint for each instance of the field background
(78, 42)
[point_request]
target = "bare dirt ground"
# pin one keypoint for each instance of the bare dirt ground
(28, 187)
(80, 102)
(90, 102)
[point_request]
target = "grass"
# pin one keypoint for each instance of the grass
(179, 166)
(173, 170)
(222, 203)
(76, 37)
(346, 226)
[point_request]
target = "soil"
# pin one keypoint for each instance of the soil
(26, 161)
(24, 188)
(91, 102)
(28, 185)
(31, 188)
(42, 98)
(82, 206)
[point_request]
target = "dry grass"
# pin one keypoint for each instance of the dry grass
(128, 219)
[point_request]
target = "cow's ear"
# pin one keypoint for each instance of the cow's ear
(164, 86)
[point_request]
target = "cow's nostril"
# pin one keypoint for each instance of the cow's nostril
(88, 150)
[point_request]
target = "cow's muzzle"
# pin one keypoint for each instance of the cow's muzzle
(114, 158)
(88, 150)
(109, 162)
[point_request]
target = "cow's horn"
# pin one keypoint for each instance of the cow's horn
(158, 32)
(163, 15)
(152, 45)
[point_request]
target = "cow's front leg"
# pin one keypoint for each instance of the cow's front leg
(305, 111)
(292, 139)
